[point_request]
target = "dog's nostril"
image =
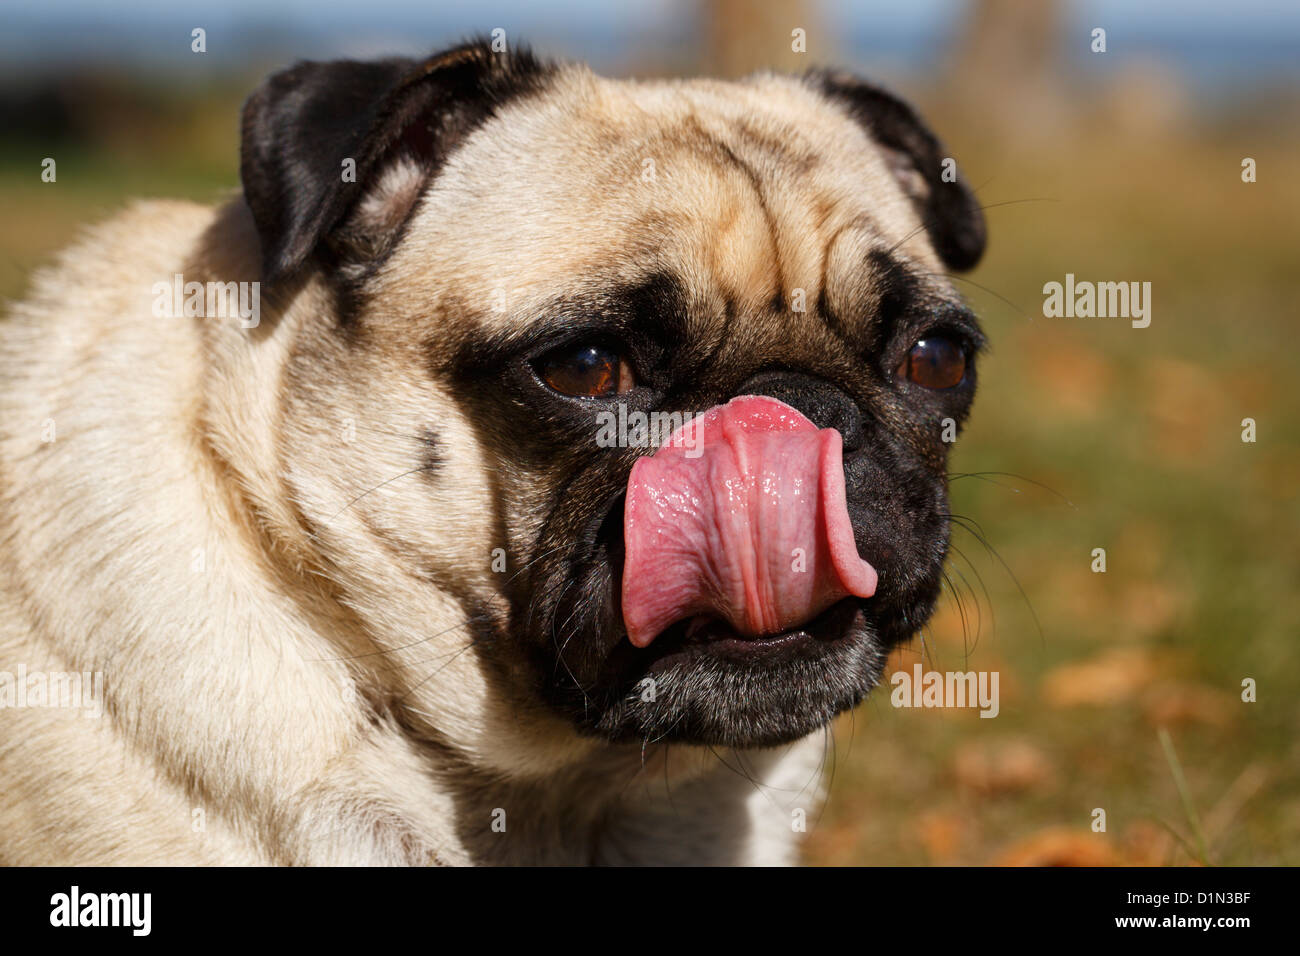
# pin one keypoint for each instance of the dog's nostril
(823, 404)
(848, 421)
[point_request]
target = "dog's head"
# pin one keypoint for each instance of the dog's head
(497, 264)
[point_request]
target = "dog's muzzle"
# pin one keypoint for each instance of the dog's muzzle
(741, 516)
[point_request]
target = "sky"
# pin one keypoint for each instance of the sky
(1212, 37)
(1187, 14)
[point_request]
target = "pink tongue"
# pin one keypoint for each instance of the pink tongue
(741, 515)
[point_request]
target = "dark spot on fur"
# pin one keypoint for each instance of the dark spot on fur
(432, 456)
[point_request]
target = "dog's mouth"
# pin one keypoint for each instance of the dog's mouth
(720, 598)
(715, 637)
(743, 598)
(702, 681)
(709, 633)
(738, 525)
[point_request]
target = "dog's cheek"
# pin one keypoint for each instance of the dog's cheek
(413, 514)
(375, 451)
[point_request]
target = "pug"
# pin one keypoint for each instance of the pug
(399, 562)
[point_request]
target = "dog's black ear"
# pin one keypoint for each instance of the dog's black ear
(948, 210)
(318, 139)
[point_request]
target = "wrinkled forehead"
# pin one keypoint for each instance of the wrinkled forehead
(746, 192)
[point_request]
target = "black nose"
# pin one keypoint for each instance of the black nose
(822, 403)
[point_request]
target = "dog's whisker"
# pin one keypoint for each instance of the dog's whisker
(742, 771)
(559, 652)
(960, 522)
(371, 491)
(534, 561)
(958, 553)
(394, 650)
(669, 729)
(668, 784)
(985, 476)
(957, 597)
(927, 653)
(983, 288)
(402, 699)
(407, 665)
(930, 222)
(828, 754)
(975, 598)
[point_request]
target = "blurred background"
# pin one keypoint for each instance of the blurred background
(1117, 166)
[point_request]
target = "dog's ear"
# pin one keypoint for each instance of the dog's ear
(334, 155)
(949, 211)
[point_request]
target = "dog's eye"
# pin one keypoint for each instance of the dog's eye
(935, 362)
(586, 371)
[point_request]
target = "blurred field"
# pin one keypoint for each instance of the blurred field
(1135, 432)
(1140, 429)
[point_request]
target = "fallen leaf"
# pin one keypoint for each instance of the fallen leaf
(1074, 378)
(1116, 675)
(1061, 846)
(940, 833)
(1174, 702)
(1008, 766)
(1146, 844)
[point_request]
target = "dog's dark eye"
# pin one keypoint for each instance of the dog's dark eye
(935, 362)
(586, 371)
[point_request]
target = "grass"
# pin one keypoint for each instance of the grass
(1140, 429)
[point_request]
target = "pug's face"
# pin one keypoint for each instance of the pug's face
(530, 253)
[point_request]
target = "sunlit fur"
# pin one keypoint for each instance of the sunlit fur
(242, 529)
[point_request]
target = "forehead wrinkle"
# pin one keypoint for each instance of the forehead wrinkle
(863, 268)
(774, 242)
(825, 308)
(729, 310)
(799, 203)
(720, 204)
(821, 207)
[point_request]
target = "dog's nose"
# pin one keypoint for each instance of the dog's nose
(822, 403)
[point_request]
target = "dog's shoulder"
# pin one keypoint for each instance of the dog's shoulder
(145, 237)
(87, 311)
